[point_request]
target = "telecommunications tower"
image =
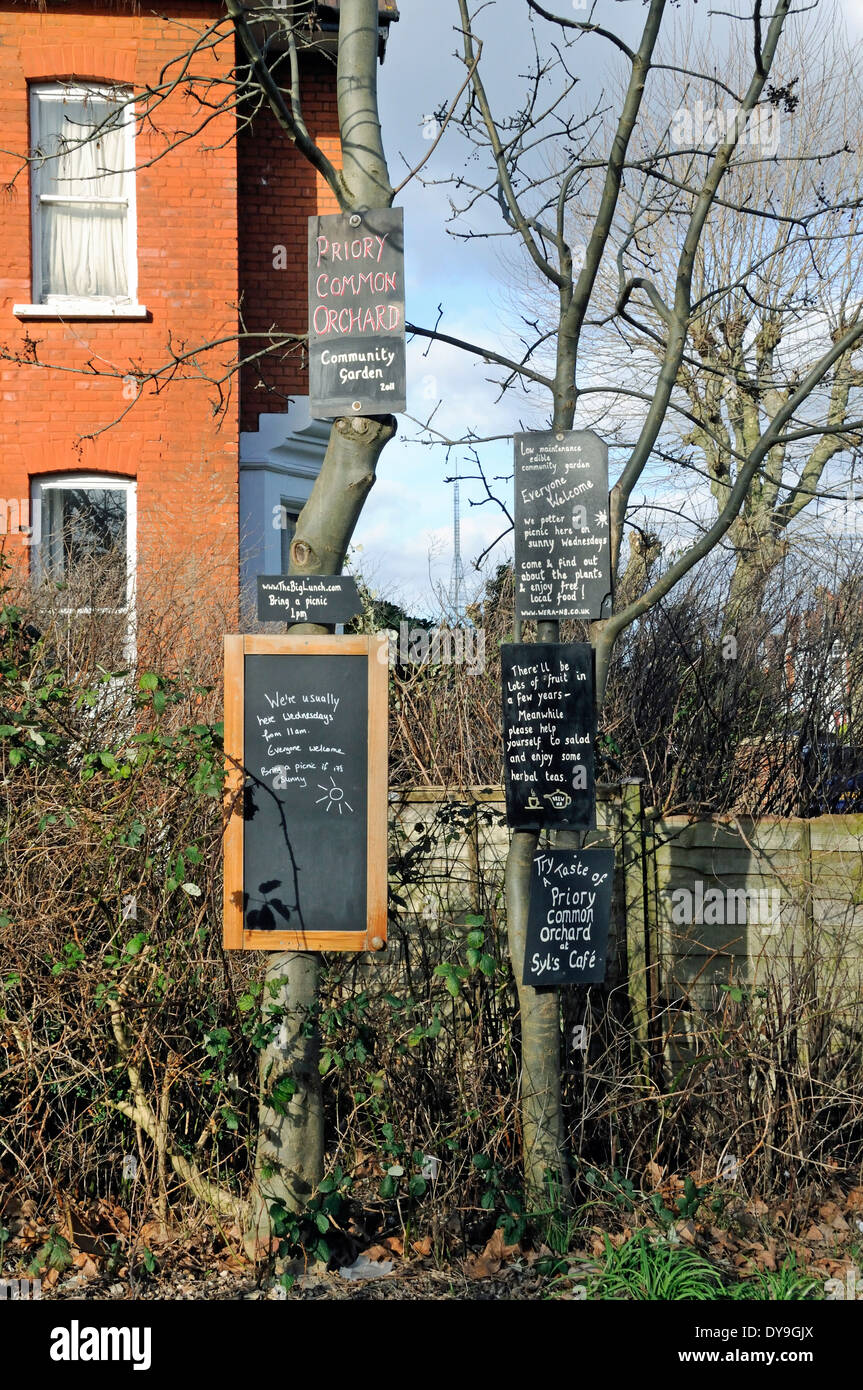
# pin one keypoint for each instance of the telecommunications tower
(457, 581)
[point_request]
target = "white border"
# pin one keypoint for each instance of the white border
(106, 481)
(67, 306)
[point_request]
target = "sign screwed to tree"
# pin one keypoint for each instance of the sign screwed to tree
(562, 555)
(548, 734)
(357, 313)
(562, 571)
(306, 753)
(307, 598)
(568, 917)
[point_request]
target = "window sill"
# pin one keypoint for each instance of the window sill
(81, 311)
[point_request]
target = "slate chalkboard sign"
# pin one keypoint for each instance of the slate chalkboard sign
(306, 752)
(562, 558)
(307, 598)
(568, 917)
(357, 313)
(548, 731)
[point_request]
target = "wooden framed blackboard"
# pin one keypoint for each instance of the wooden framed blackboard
(549, 726)
(357, 363)
(562, 553)
(568, 917)
(305, 851)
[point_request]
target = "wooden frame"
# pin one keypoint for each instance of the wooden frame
(375, 651)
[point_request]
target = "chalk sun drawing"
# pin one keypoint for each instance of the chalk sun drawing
(333, 795)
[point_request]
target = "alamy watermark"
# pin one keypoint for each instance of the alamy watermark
(77, 1343)
(436, 646)
(849, 1288)
(21, 517)
(704, 126)
(705, 905)
(20, 1289)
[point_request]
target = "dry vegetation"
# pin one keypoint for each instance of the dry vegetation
(127, 1034)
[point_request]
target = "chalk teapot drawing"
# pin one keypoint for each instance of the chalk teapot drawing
(558, 799)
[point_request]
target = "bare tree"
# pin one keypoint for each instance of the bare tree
(776, 281)
(289, 1161)
(290, 1152)
(539, 163)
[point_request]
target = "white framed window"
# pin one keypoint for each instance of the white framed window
(82, 181)
(85, 529)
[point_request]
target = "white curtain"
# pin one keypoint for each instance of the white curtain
(83, 245)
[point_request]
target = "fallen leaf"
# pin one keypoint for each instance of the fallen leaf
(422, 1247)
(492, 1257)
(480, 1267)
(654, 1175)
(497, 1247)
(766, 1257)
(153, 1233)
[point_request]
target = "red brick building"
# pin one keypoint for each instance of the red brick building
(150, 217)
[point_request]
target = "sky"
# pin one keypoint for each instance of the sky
(403, 542)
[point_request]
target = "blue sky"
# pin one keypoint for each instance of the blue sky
(404, 538)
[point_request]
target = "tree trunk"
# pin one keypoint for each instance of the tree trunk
(290, 1154)
(758, 551)
(546, 1170)
(289, 1160)
(545, 1166)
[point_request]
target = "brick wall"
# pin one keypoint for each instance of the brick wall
(278, 192)
(182, 452)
